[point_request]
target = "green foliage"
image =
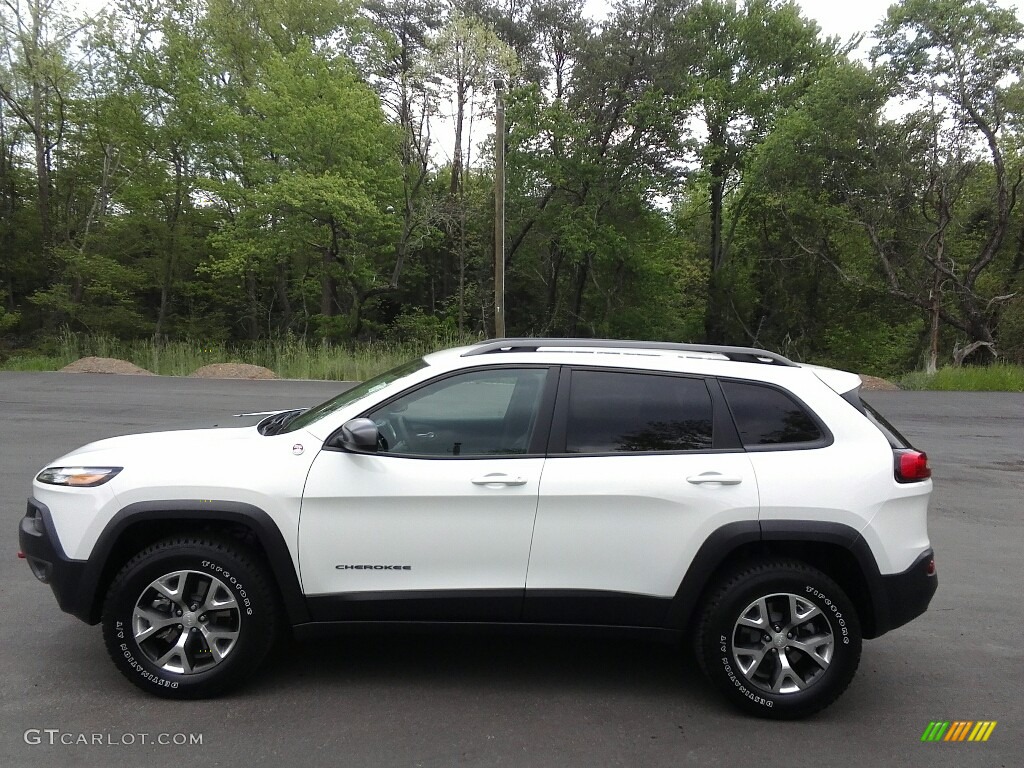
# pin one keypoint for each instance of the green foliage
(94, 293)
(284, 179)
(289, 358)
(990, 378)
(421, 329)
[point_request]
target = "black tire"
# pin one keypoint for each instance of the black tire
(746, 664)
(228, 617)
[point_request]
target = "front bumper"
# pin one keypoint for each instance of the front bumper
(902, 597)
(37, 538)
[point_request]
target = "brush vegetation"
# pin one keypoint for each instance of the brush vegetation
(288, 358)
(990, 378)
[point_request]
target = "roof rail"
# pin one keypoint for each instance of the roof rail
(735, 354)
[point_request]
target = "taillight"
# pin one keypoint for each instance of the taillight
(911, 465)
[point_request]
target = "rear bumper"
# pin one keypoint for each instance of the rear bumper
(901, 597)
(45, 556)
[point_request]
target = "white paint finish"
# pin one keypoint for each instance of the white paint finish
(75, 511)
(632, 523)
(231, 464)
(898, 533)
(839, 381)
(850, 482)
(426, 513)
(627, 523)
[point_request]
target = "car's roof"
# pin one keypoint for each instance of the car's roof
(727, 361)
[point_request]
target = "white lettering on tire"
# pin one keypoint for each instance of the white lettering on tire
(234, 582)
(836, 613)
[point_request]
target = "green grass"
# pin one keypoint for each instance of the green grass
(989, 378)
(33, 362)
(298, 359)
(288, 358)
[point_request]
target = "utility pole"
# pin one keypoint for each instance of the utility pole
(499, 209)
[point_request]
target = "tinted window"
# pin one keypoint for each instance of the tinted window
(766, 416)
(896, 440)
(478, 413)
(350, 396)
(625, 412)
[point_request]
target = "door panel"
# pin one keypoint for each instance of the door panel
(430, 515)
(440, 520)
(638, 478)
(633, 523)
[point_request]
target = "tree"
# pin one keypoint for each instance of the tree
(739, 68)
(404, 26)
(589, 152)
(37, 38)
(965, 58)
(468, 56)
(805, 278)
(315, 184)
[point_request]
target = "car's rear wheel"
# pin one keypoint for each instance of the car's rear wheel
(189, 617)
(780, 639)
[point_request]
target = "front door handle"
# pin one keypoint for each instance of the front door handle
(714, 477)
(499, 478)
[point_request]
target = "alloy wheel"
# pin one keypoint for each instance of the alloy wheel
(186, 622)
(782, 643)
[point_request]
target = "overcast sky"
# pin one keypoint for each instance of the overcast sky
(848, 17)
(836, 17)
(842, 18)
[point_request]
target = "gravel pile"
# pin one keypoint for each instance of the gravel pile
(233, 371)
(875, 384)
(105, 365)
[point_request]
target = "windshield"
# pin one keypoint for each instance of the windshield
(349, 396)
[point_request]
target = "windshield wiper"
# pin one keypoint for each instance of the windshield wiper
(276, 424)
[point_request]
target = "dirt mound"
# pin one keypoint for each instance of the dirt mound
(875, 384)
(105, 365)
(233, 371)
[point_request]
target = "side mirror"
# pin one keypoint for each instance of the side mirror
(359, 435)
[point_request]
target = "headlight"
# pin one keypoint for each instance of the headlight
(79, 477)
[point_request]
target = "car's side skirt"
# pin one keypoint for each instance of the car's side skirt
(542, 606)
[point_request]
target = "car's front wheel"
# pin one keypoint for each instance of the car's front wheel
(780, 639)
(189, 617)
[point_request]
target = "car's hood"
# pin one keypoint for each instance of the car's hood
(176, 443)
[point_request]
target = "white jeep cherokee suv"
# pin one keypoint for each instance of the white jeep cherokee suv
(720, 495)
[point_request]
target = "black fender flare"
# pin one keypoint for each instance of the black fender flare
(267, 533)
(725, 541)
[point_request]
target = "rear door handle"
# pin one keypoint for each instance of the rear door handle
(499, 478)
(714, 477)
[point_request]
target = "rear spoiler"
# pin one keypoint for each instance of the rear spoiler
(843, 383)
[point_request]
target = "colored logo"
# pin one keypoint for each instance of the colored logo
(958, 730)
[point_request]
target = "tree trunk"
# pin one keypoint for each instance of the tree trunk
(460, 113)
(714, 316)
(554, 274)
(281, 286)
(252, 320)
(582, 272)
(42, 162)
(171, 250)
(933, 335)
(328, 283)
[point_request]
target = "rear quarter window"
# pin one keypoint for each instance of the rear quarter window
(767, 417)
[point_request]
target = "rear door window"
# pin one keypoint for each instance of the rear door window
(621, 412)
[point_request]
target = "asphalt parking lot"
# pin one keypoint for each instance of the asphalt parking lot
(509, 701)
